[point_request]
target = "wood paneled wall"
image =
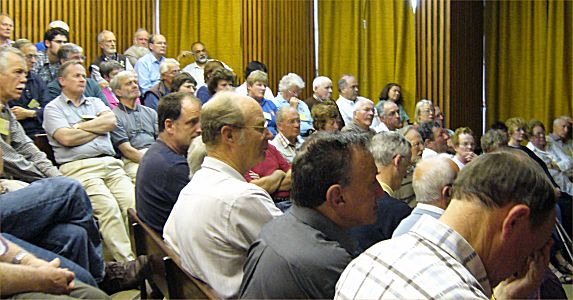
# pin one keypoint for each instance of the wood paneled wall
(280, 34)
(86, 19)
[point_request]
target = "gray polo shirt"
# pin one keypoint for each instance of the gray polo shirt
(137, 126)
(299, 255)
(62, 113)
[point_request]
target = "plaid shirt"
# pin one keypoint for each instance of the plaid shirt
(432, 261)
(47, 71)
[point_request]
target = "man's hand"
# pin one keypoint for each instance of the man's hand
(184, 54)
(294, 102)
(22, 113)
(469, 156)
(54, 280)
(254, 175)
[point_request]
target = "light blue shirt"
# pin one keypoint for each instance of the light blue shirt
(302, 109)
(147, 69)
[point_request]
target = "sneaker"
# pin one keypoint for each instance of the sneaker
(121, 276)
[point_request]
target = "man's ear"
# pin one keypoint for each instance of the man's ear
(445, 196)
(396, 160)
(334, 196)
(168, 124)
(228, 134)
(516, 217)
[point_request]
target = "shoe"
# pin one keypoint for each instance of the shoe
(121, 276)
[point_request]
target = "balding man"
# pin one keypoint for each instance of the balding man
(493, 233)
(147, 67)
(559, 141)
(287, 140)
(362, 117)
(432, 183)
(348, 90)
(218, 214)
(139, 47)
(389, 117)
(321, 91)
(107, 42)
(6, 29)
(197, 68)
(393, 157)
(168, 69)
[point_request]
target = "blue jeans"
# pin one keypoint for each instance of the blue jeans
(55, 214)
(81, 274)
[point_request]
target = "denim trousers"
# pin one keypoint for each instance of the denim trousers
(55, 214)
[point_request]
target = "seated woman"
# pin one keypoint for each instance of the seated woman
(220, 80)
(464, 145)
(393, 92)
(424, 111)
(256, 85)
(202, 91)
(184, 82)
(326, 117)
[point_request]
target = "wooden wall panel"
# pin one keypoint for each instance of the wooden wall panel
(281, 35)
(85, 17)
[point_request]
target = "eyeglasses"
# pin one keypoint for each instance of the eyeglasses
(260, 129)
(59, 42)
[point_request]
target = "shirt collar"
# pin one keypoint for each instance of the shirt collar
(218, 165)
(386, 188)
(127, 109)
(68, 100)
(429, 207)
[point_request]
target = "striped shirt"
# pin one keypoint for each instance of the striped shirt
(432, 261)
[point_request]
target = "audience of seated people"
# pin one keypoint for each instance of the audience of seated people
(231, 234)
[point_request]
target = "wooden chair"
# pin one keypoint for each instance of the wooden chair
(41, 141)
(167, 273)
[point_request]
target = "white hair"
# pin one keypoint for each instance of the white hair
(386, 145)
(430, 176)
(115, 83)
(419, 106)
(195, 155)
(289, 80)
(360, 102)
(320, 81)
(166, 63)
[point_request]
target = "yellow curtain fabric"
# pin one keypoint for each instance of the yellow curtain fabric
(529, 50)
(374, 40)
(216, 23)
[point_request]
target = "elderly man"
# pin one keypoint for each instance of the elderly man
(287, 140)
(196, 69)
(108, 44)
(321, 91)
(290, 86)
(432, 182)
(139, 47)
(435, 139)
(147, 67)
(348, 90)
(163, 170)
(168, 69)
(389, 117)
(29, 108)
(362, 117)
(558, 142)
(491, 233)
(48, 62)
(22, 159)
(301, 254)
(218, 214)
(136, 124)
(6, 29)
(69, 52)
(274, 176)
(393, 157)
(78, 130)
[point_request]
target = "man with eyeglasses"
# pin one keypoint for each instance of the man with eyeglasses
(69, 52)
(163, 170)
(218, 215)
(48, 62)
(168, 69)
(108, 44)
(197, 68)
(6, 29)
(147, 67)
(29, 108)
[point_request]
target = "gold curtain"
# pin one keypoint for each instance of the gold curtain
(216, 23)
(86, 19)
(374, 40)
(529, 50)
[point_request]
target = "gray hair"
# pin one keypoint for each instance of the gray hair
(289, 80)
(166, 63)
(361, 102)
(430, 176)
(343, 81)
(419, 106)
(195, 155)
(21, 43)
(115, 83)
(319, 81)
(4, 56)
(101, 34)
(386, 145)
(67, 49)
(493, 139)
(221, 110)
(281, 113)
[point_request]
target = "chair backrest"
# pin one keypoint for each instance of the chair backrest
(167, 273)
(41, 141)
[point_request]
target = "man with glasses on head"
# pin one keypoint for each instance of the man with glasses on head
(147, 67)
(48, 62)
(70, 52)
(218, 214)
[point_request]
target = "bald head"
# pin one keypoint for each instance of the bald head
(6, 28)
(432, 180)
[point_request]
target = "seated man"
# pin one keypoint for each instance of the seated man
(163, 171)
(348, 94)
(168, 69)
(432, 182)
(22, 159)
(302, 253)
(147, 67)
(393, 157)
(435, 139)
(29, 108)
(48, 62)
(78, 130)
(559, 143)
(197, 68)
(108, 44)
(26, 276)
(139, 47)
(495, 232)
(69, 52)
(321, 91)
(389, 117)
(218, 214)
(362, 118)
(136, 124)
(290, 87)
(273, 175)
(287, 140)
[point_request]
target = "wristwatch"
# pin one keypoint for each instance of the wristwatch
(19, 257)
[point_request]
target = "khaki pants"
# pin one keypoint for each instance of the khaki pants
(111, 194)
(131, 167)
